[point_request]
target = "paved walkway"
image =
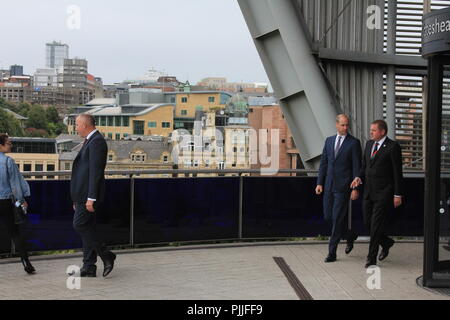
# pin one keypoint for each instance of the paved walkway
(223, 272)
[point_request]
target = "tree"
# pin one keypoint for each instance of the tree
(52, 115)
(9, 124)
(37, 118)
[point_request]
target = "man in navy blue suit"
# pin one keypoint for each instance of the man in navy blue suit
(340, 164)
(87, 188)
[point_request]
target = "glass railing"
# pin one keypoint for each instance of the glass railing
(140, 211)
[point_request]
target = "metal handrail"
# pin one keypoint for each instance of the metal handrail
(411, 173)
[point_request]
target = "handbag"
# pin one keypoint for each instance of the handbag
(19, 212)
(20, 216)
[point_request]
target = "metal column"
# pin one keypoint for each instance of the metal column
(390, 76)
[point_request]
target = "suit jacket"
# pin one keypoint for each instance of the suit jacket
(88, 171)
(382, 175)
(337, 173)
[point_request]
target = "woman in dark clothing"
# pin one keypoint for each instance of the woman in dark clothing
(13, 186)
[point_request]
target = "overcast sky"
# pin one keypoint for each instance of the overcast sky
(190, 39)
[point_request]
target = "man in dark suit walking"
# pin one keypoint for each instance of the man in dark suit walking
(87, 188)
(339, 165)
(382, 176)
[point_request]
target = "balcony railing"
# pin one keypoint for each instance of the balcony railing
(142, 211)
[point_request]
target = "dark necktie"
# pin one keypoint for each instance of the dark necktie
(375, 150)
(84, 142)
(338, 146)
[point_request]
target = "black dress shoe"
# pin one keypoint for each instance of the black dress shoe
(385, 251)
(330, 258)
(27, 266)
(349, 247)
(90, 272)
(370, 263)
(109, 263)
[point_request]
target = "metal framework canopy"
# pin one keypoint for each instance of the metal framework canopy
(436, 47)
(285, 51)
(362, 58)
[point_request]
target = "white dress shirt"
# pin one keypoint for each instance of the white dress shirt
(380, 144)
(337, 139)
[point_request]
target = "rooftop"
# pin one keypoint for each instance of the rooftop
(242, 271)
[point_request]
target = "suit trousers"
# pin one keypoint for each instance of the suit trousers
(84, 223)
(15, 231)
(375, 218)
(336, 213)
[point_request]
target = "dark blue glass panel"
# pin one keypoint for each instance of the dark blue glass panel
(282, 207)
(288, 207)
(184, 209)
(407, 220)
(50, 215)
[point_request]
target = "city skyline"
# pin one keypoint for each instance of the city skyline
(191, 40)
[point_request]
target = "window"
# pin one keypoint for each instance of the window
(184, 100)
(234, 149)
(110, 157)
(172, 99)
(138, 157)
(165, 159)
(125, 121)
(27, 167)
(110, 121)
(117, 136)
(110, 135)
(67, 166)
(211, 99)
(38, 167)
(184, 112)
(118, 121)
(103, 121)
(50, 167)
(283, 140)
(152, 124)
(138, 127)
(166, 124)
(221, 165)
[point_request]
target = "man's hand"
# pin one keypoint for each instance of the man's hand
(355, 195)
(319, 190)
(90, 206)
(356, 183)
(397, 202)
(25, 204)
